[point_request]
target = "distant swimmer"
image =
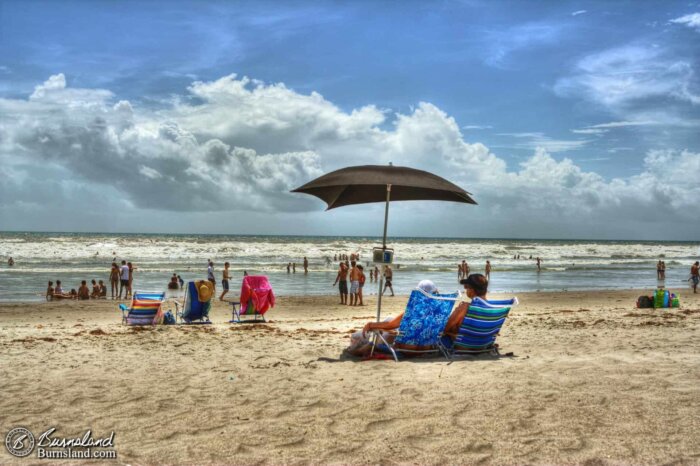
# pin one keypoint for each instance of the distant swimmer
(10, 262)
(539, 262)
(306, 265)
(289, 267)
(488, 270)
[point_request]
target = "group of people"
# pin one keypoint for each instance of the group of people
(476, 287)
(661, 270)
(292, 266)
(121, 279)
(355, 272)
(463, 270)
(99, 291)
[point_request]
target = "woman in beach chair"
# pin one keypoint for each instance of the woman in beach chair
(474, 326)
(416, 331)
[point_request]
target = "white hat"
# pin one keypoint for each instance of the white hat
(428, 286)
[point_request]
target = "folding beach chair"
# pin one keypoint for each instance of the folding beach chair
(257, 298)
(480, 327)
(197, 303)
(144, 309)
(422, 324)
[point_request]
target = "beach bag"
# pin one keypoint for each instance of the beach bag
(169, 318)
(644, 302)
(661, 298)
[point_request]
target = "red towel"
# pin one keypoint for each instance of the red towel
(256, 288)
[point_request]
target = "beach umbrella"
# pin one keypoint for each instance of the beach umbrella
(382, 183)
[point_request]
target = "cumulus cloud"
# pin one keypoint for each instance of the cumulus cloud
(235, 143)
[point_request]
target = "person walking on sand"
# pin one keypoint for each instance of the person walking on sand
(114, 279)
(488, 270)
(354, 283)
(695, 275)
(123, 280)
(224, 281)
(388, 275)
(539, 264)
(306, 265)
(342, 280)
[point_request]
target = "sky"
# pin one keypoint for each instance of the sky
(575, 120)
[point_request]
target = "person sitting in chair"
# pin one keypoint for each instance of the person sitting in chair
(361, 345)
(476, 286)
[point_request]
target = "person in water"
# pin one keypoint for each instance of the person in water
(83, 291)
(49, 291)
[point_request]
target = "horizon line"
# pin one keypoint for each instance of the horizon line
(346, 236)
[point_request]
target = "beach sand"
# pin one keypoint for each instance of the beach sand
(593, 380)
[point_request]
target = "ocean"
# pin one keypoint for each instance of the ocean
(566, 265)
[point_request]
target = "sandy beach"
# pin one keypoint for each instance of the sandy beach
(592, 380)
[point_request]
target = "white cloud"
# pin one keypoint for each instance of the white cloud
(597, 131)
(691, 20)
(243, 145)
(625, 79)
(540, 140)
(477, 127)
(500, 44)
(578, 12)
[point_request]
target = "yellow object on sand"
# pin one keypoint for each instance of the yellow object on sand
(205, 290)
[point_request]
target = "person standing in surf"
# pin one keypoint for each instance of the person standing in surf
(695, 275)
(488, 270)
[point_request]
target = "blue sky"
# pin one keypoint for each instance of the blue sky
(599, 85)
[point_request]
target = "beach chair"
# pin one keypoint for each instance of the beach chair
(422, 324)
(196, 304)
(144, 310)
(257, 298)
(480, 327)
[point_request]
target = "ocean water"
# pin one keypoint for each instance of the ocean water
(567, 265)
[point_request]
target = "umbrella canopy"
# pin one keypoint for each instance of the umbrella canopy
(368, 183)
(382, 183)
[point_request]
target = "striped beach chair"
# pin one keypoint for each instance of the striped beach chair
(422, 324)
(480, 327)
(144, 309)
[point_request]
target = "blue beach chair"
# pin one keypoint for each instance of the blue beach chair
(195, 307)
(144, 308)
(480, 327)
(422, 324)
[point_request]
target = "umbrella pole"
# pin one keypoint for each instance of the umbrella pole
(381, 280)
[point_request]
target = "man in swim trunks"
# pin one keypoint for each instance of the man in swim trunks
(83, 291)
(695, 275)
(341, 280)
(123, 280)
(354, 283)
(388, 275)
(224, 281)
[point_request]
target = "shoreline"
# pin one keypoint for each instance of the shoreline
(681, 291)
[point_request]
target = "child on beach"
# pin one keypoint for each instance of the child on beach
(95, 289)
(49, 291)
(363, 278)
(103, 290)
(83, 291)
